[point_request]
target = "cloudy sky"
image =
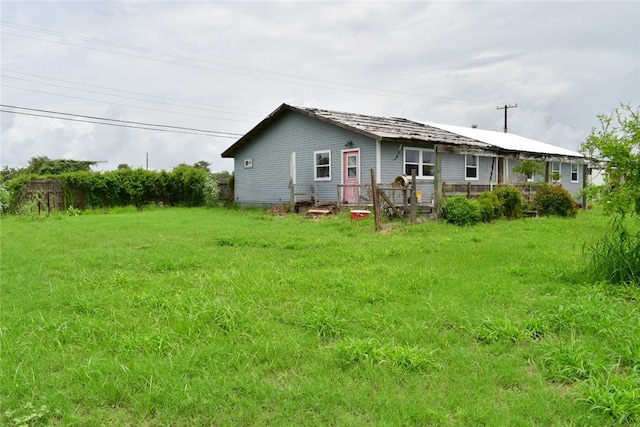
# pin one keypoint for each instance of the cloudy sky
(209, 71)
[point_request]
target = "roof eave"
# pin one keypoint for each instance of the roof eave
(231, 151)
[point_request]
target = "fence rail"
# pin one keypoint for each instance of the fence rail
(473, 190)
(396, 199)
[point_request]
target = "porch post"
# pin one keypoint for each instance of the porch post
(547, 172)
(378, 157)
(437, 182)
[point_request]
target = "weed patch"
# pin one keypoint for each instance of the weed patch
(615, 395)
(399, 358)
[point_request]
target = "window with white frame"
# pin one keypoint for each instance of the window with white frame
(322, 165)
(470, 167)
(555, 172)
(574, 172)
(422, 160)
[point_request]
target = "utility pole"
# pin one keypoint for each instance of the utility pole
(505, 108)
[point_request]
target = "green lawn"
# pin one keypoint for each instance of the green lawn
(232, 317)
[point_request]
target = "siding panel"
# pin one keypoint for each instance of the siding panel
(267, 182)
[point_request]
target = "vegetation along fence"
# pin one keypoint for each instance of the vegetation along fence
(46, 194)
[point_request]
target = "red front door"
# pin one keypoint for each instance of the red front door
(350, 175)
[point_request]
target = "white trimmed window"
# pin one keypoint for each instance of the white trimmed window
(574, 172)
(555, 172)
(322, 165)
(470, 167)
(421, 160)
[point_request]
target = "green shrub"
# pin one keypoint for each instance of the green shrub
(5, 198)
(461, 211)
(554, 200)
(184, 186)
(490, 206)
(510, 200)
(211, 192)
(16, 189)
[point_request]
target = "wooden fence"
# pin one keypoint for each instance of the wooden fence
(47, 194)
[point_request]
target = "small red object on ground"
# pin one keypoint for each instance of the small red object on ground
(359, 214)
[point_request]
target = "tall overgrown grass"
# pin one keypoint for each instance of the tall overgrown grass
(615, 257)
(233, 317)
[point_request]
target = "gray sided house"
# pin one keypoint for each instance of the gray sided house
(334, 152)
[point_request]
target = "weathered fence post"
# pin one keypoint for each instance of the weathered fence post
(374, 191)
(414, 197)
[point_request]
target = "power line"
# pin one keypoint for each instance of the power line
(119, 123)
(102, 123)
(159, 53)
(119, 96)
(247, 71)
(239, 70)
(116, 120)
(121, 104)
(215, 108)
(220, 66)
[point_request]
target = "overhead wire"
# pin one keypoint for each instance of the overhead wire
(237, 69)
(116, 122)
(120, 96)
(214, 108)
(121, 104)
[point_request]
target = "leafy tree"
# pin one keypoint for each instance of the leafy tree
(220, 175)
(528, 168)
(617, 143)
(8, 173)
(202, 165)
(123, 166)
(42, 165)
(616, 256)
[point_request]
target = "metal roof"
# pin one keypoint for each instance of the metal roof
(508, 141)
(404, 130)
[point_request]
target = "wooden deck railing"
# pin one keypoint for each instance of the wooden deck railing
(473, 190)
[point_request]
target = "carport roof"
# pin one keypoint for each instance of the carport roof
(508, 141)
